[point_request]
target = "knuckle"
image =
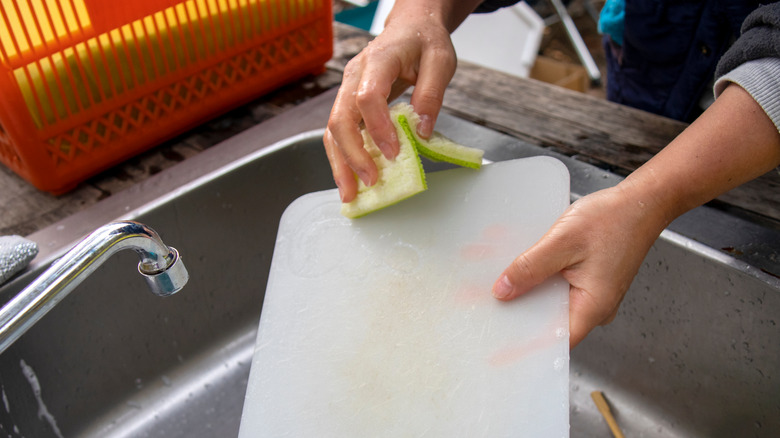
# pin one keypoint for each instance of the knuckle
(339, 120)
(443, 55)
(370, 51)
(335, 119)
(524, 268)
(352, 67)
(374, 51)
(365, 95)
(371, 92)
(430, 96)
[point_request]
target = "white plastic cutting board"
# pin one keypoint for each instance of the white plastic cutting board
(384, 326)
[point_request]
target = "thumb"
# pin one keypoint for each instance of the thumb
(545, 258)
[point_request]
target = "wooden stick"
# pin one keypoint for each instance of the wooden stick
(601, 404)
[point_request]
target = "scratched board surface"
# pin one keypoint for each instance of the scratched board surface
(384, 326)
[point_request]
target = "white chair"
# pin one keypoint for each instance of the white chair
(506, 40)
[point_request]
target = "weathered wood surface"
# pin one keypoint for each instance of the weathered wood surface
(569, 122)
(593, 130)
(609, 135)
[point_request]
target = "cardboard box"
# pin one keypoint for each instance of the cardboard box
(563, 74)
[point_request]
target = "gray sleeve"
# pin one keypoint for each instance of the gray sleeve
(761, 79)
(760, 38)
(753, 62)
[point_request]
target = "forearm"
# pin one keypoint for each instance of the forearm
(450, 13)
(599, 243)
(731, 143)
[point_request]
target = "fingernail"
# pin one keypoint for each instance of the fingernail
(387, 149)
(341, 192)
(503, 287)
(424, 128)
(364, 176)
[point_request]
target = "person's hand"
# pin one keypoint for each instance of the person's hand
(597, 245)
(414, 49)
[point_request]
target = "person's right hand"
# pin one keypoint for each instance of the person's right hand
(414, 49)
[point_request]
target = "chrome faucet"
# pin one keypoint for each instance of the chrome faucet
(160, 265)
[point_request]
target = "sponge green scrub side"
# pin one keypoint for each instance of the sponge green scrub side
(437, 147)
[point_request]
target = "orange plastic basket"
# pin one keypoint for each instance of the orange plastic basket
(85, 84)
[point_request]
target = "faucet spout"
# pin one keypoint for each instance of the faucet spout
(160, 265)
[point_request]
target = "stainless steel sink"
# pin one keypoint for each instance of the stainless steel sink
(694, 352)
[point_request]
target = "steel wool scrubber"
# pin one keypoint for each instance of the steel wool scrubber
(16, 253)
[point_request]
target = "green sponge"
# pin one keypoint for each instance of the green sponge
(403, 176)
(439, 147)
(398, 179)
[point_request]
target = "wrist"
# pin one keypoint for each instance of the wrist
(445, 13)
(733, 142)
(647, 203)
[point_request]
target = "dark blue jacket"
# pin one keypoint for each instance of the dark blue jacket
(760, 38)
(669, 53)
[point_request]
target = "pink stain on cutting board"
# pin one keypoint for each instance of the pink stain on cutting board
(470, 294)
(513, 354)
(496, 232)
(485, 247)
(477, 251)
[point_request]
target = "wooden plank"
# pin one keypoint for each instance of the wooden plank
(610, 135)
(26, 209)
(570, 122)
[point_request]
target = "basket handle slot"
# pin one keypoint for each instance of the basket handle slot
(108, 15)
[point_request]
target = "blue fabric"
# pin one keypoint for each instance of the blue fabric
(664, 57)
(360, 17)
(611, 20)
(669, 53)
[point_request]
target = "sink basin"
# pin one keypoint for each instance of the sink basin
(694, 351)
